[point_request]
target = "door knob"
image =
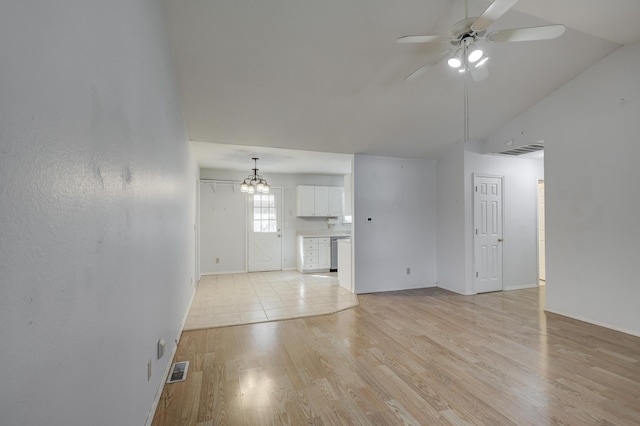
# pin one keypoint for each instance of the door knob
(500, 240)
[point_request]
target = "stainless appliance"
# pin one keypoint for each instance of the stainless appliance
(334, 252)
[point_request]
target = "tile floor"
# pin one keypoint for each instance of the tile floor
(223, 300)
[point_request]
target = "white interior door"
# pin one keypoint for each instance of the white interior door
(541, 238)
(487, 203)
(264, 234)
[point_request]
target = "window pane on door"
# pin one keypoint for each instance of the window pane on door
(264, 213)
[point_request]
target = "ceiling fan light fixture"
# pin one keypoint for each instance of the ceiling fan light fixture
(455, 61)
(475, 53)
(482, 62)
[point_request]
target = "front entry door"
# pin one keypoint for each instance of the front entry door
(264, 236)
(487, 205)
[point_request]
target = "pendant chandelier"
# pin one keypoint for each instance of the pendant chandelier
(255, 183)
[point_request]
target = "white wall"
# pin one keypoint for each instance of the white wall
(292, 223)
(223, 222)
(400, 197)
(590, 130)
(456, 168)
(451, 220)
(520, 218)
(96, 211)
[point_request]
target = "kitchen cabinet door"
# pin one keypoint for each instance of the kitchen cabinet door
(305, 200)
(324, 256)
(335, 201)
(321, 201)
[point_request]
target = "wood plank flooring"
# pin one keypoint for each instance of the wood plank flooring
(418, 357)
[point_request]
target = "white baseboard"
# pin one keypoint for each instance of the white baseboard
(454, 291)
(172, 354)
(204, 274)
(598, 323)
(520, 287)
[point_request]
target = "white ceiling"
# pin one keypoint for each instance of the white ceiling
(327, 76)
(270, 160)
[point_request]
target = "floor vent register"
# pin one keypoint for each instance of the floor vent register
(178, 372)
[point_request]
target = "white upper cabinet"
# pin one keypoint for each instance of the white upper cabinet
(335, 201)
(318, 201)
(321, 201)
(305, 200)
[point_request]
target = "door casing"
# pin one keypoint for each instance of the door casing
(488, 226)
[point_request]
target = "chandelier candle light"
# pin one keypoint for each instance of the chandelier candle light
(255, 183)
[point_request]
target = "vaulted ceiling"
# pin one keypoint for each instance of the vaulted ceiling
(328, 75)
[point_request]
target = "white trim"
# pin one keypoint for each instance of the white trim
(538, 181)
(598, 323)
(156, 400)
(454, 291)
(204, 274)
(473, 224)
(520, 287)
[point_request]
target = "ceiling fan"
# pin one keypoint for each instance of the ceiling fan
(467, 36)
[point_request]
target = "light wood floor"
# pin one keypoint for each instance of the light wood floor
(424, 357)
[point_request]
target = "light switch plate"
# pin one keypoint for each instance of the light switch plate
(161, 345)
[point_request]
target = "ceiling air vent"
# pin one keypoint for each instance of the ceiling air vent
(525, 149)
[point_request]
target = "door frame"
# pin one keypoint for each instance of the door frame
(249, 217)
(538, 242)
(196, 230)
(473, 225)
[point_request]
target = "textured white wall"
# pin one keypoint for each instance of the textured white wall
(451, 220)
(223, 224)
(97, 190)
(590, 129)
(400, 197)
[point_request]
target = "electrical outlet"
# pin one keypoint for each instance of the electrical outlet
(149, 370)
(408, 271)
(217, 260)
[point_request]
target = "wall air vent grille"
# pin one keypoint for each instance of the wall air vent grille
(525, 149)
(178, 372)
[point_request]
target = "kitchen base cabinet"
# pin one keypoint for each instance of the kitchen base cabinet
(314, 254)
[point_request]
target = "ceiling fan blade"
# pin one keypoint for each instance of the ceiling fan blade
(418, 39)
(546, 32)
(479, 73)
(427, 67)
(493, 12)
(419, 72)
